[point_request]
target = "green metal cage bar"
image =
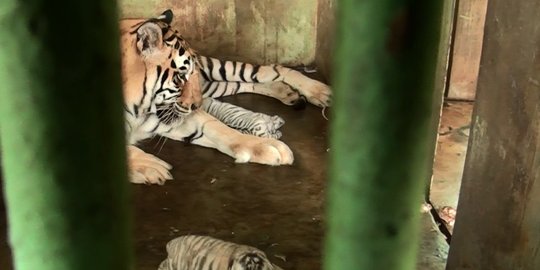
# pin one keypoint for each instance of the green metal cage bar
(62, 137)
(385, 62)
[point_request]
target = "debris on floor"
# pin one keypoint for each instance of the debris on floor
(425, 208)
(448, 215)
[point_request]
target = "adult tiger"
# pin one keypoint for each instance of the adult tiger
(162, 93)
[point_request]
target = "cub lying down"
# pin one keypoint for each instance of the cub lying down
(164, 82)
(204, 252)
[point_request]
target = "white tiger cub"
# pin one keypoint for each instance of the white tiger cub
(244, 120)
(207, 253)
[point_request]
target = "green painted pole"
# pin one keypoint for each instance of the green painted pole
(385, 60)
(62, 137)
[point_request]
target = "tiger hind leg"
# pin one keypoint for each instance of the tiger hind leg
(243, 120)
(215, 70)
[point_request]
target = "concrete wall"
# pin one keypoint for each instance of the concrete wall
(440, 81)
(325, 36)
(260, 31)
(498, 220)
(467, 49)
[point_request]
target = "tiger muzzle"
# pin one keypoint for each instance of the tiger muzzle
(191, 97)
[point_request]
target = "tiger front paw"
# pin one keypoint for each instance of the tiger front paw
(283, 92)
(146, 168)
(317, 93)
(261, 150)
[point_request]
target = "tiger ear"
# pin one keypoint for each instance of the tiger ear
(149, 38)
(166, 16)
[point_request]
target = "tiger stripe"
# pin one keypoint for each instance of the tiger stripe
(207, 253)
(243, 120)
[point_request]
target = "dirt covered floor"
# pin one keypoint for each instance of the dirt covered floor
(277, 209)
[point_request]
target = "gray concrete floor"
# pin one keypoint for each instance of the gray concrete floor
(433, 251)
(277, 209)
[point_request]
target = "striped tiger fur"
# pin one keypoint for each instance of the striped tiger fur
(243, 120)
(225, 78)
(207, 253)
(164, 81)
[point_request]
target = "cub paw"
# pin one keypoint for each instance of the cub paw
(146, 168)
(261, 150)
(269, 126)
(277, 122)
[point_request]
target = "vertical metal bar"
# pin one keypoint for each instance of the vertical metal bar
(62, 135)
(385, 60)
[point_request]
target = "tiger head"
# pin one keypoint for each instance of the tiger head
(251, 260)
(159, 68)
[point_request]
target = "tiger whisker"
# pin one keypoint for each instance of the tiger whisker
(159, 140)
(164, 141)
(170, 115)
